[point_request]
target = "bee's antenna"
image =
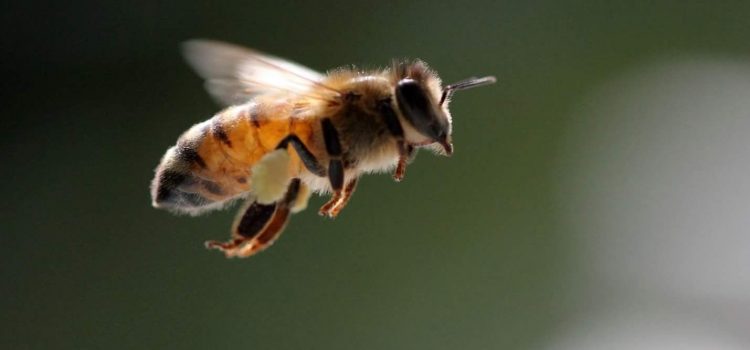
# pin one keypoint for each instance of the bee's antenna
(469, 83)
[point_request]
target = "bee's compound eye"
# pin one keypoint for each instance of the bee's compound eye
(418, 109)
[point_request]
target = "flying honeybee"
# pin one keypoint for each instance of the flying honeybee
(290, 131)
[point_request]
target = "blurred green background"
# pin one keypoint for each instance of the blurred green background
(467, 252)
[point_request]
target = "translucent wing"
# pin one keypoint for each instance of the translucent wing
(236, 74)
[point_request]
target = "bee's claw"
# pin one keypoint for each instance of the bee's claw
(398, 176)
(327, 209)
(228, 248)
(403, 159)
(216, 245)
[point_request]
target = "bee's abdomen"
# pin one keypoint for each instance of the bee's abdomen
(178, 186)
(211, 162)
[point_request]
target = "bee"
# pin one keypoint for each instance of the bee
(289, 131)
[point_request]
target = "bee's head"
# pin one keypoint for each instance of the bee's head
(424, 105)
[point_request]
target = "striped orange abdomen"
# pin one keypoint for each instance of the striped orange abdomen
(212, 161)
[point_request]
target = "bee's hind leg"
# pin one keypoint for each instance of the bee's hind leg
(258, 225)
(308, 159)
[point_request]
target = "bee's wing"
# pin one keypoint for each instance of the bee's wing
(236, 74)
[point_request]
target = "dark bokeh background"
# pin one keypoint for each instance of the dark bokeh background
(465, 253)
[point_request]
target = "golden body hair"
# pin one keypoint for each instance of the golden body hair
(339, 126)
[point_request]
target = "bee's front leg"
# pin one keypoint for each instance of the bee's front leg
(406, 154)
(406, 151)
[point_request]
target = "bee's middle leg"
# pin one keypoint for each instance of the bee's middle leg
(335, 167)
(339, 200)
(335, 171)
